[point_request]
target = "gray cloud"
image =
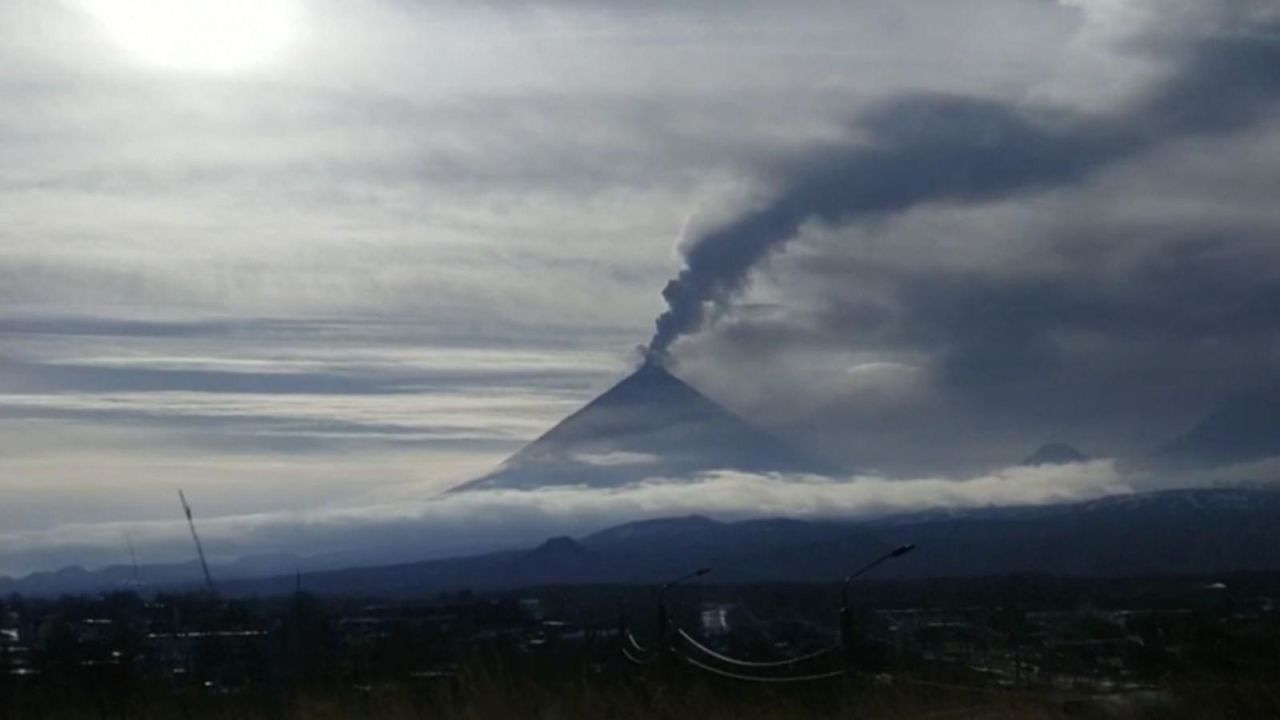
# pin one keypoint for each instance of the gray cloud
(290, 382)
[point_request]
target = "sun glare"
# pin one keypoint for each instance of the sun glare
(199, 35)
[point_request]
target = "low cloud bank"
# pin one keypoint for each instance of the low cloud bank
(484, 520)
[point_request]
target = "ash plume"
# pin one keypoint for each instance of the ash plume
(953, 149)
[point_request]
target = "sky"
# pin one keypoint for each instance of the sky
(315, 261)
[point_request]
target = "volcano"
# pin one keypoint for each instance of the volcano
(650, 425)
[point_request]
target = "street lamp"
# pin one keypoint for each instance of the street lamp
(684, 578)
(662, 601)
(892, 555)
(846, 614)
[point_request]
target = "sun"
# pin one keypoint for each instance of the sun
(218, 36)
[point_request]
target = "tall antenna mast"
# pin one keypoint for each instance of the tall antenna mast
(204, 565)
(133, 557)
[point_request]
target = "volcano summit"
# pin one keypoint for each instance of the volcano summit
(650, 425)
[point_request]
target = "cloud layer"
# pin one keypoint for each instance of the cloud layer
(410, 529)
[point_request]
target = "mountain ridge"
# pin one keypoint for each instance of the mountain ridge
(1170, 532)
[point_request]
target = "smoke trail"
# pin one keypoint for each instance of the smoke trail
(933, 148)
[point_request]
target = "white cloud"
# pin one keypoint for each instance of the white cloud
(614, 459)
(479, 520)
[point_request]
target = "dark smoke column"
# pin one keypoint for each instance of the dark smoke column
(716, 267)
(950, 149)
(921, 148)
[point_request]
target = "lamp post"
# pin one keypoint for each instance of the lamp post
(846, 613)
(892, 555)
(684, 578)
(662, 602)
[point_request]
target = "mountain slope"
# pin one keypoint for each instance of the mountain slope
(1170, 533)
(650, 425)
(1241, 429)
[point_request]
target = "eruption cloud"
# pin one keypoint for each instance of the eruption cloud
(954, 149)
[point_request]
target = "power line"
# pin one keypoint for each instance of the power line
(825, 652)
(748, 678)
